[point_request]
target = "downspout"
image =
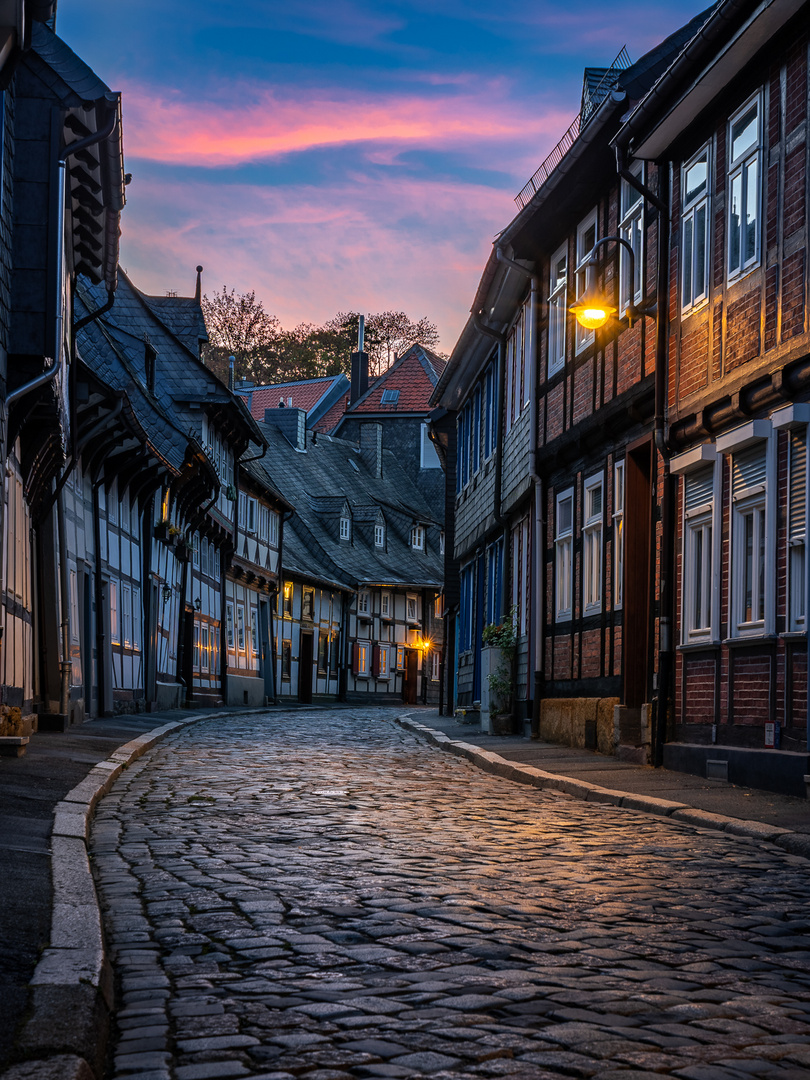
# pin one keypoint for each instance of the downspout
(537, 608)
(482, 328)
(101, 637)
(285, 516)
(667, 514)
(65, 664)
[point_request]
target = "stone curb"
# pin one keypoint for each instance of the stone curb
(65, 1037)
(794, 843)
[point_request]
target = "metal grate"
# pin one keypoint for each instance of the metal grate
(589, 105)
(716, 770)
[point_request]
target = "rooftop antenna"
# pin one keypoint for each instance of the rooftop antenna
(198, 290)
(231, 362)
(361, 333)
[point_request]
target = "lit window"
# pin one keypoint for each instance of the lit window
(586, 239)
(126, 614)
(695, 230)
(361, 658)
(744, 179)
(254, 630)
(631, 230)
(229, 624)
(563, 553)
(418, 538)
(240, 627)
(196, 658)
(557, 309)
(204, 651)
(115, 635)
(287, 600)
(400, 657)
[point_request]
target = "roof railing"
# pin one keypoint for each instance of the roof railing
(589, 107)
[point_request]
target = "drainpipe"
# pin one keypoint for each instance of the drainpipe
(482, 328)
(64, 587)
(101, 637)
(537, 607)
(667, 505)
(285, 516)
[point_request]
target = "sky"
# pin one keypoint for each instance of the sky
(341, 155)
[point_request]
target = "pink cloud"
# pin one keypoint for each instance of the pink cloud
(311, 252)
(264, 124)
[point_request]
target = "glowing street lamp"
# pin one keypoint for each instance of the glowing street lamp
(592, 309)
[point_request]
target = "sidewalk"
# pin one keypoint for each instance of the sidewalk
(712, 796)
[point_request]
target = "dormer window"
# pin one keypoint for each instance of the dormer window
(364, 604)
(379, 536)
(418, 538)
(345, 528)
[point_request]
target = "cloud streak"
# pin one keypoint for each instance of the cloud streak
(265, 124)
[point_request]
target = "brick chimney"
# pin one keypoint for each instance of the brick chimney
(371, 448)
(359, 376)
(292, 423)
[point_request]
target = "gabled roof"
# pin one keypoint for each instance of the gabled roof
(315, 396)
(183, 316)
(412, 378)
(320, 483)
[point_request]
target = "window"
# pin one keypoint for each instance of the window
(195, 550)
(115, 635)
(364, 603)
(490, 411)
(466, 608)
(286, 658)
(797, 541)
(264, 522)
(748, 497)
(586, 239)
(74, 606)
(557, 309)
(361, 658)
(389, 397)
(196, 663)
(213, 559)
(252, 515)
(385, 604)
(435, 659)
(518, 358)
(323, 652)
(400, 657)
(126, 615)
(273, 528)
(287, 600)
(698, 551)
(411, 609)
(136, 617)
(521, 575)
(418, 538)
(308, 604)
(204, 557)
(618, 534)
(695, 230)
(240, 627)
(380, 667)
(592, 545)
(254, 630)
(334, 651)
(379, 536)
(476, 431)
(345, 528)
(229, 624)
(631, 229)
(563, 553)
(204, 649)
(494, 576)
(438, 607)
(745, 150)
(429, 459)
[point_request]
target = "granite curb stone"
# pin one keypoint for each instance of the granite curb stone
(73, 978)
(792, 842)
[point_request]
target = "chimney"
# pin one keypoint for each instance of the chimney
(292, 423)
(371, 448)
(198, 290)
(231, 362)
(359, 376)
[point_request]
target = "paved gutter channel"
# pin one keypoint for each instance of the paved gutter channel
(65, 1034)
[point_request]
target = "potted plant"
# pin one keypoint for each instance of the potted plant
(499, 642)
(162, 529)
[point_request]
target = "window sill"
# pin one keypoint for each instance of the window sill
(793, 635)
(751, 640)
(699, 646)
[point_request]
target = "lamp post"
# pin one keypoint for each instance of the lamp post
(592, 309)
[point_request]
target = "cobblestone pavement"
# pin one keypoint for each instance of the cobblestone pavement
(322, 895)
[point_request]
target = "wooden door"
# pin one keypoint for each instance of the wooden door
(411, 679)
(636, 616)
(305, 659)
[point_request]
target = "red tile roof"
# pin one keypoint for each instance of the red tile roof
(329, 420)
(414, 374)
(305, 394)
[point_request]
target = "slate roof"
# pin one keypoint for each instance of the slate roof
(318, 484)
(315, 396)
(181, 378)
(183, 316)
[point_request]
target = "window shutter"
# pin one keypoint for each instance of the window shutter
(375, 661)
(748, 469)
(698, 489)
(798, 490)
(356, 658)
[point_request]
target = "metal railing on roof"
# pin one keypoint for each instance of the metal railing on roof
(589, 106)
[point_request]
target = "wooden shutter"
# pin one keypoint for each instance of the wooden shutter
(375, 661)
(356, 658)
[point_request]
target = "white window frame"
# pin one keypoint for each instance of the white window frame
(254, 630)
(693, 211)
(273, 533)
(136, 618)
(115, 634)
(411, 608)
(364, 602)
(240, 628)
(252, 524)
(195, 550)
(739, 170)
(564, 560)
(363, 659)
(435, 669)
(698, 582)
(619, 475)
(557, 310)
(379, 536)
(229, 638)
(126, 616)
(205, 655)
(418, 537)
(584, 338)
(386, 608)
(385, 669)
(592, 546)
(631, 229)
(345, 528)
(796, 537)
(264, 522)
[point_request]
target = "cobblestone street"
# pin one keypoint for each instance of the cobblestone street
(322, 894)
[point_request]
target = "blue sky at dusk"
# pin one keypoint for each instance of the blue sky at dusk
(340, 155)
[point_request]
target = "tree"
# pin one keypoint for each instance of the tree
(388, 334)
(238, 326)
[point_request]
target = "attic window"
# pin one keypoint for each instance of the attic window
(418, 537)
(379, 536)
(389, 397)
(345, 528)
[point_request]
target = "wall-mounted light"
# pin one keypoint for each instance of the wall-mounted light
(592, 309)
(167, 593)
(198, 603)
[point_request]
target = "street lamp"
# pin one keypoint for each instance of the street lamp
(592, 309)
